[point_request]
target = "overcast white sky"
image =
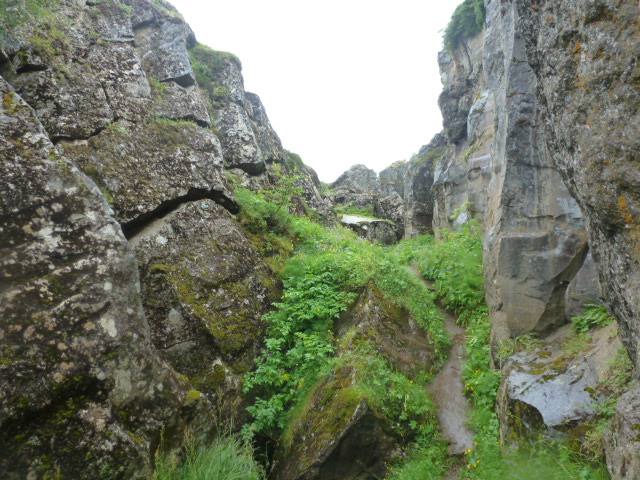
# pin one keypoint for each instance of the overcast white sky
(343, 81)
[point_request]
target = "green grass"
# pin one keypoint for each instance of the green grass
(351, 209)
(454, 263)
(328, 270)
(226, 459)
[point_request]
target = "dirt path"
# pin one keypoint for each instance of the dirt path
(447, 392)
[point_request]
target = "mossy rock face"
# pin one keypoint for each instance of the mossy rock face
(622, 440)
(390, 329)
(83, 393)
(205, 289)
(554, 389)
(148, 168)
(336, 436)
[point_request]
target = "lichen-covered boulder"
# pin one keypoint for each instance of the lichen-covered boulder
(248, 139)
(84, 393)
(391, 329)
(552, 390)
(148, 169)
(358, 187)
(622, 441)
(337, 437)
(205, 288)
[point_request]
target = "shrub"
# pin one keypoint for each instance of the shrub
(466, 21)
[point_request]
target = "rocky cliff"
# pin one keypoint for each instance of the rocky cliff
(526, 111)
(125, 307)
(132, 295)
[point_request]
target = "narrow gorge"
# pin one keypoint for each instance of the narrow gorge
(179, 291)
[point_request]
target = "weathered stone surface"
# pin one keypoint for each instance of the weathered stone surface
(174, 102)
(374, 230)
(84, 394)
(463, 171)
(418, 188)
(552, 391)
(240, 145)
(163, 50)
(390, 203)
(390, 329)
(147, 169)
(585, 56)
(205, 288)
(247, 138)
(535, 240)
(583, 289)
(338, 437)
(622, 441)
(357, 179)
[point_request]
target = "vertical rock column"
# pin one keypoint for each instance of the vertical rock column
(535, 241)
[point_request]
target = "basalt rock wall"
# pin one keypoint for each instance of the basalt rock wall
(131, 297)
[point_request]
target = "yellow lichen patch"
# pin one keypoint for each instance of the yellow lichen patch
(9, 104)
(192, 397)
(629, 219)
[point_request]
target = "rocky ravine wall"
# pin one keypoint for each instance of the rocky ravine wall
(130, 299)
(541, 116)
(542, 148)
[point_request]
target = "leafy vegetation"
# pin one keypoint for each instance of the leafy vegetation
(45, 33)
(351, 209)
(454, 262)
(432, 155)
(466, 21)
(226, 459)
(328, 270)
(595, 316)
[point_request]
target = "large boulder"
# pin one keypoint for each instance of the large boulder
(338, 433)
(84, 393)
(205, 287)
(372, 229)
(552, 390)
(338, 437)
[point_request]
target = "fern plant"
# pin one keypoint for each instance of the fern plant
(593, 316)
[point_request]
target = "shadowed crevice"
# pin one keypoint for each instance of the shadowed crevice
(138, 224)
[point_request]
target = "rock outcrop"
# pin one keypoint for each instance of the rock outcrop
(552, 391)
(585, 56)
(501, 173)
(131, 296)
(338, 433)
(84, 392)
